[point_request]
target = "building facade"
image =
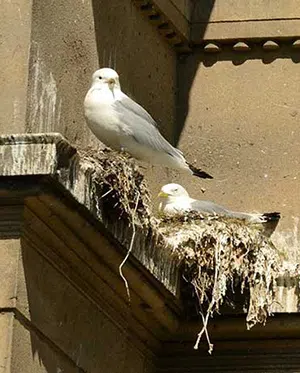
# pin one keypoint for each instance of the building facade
(221, 78)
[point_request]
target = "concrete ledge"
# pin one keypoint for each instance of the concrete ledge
(46, 199)
(51, 155)
(248, 29)
(183, 29)
(47, 202)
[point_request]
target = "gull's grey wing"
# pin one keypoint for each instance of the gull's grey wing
(142, 127)
(213, 208)
(267, 221)
(210, 208)
(129, 104)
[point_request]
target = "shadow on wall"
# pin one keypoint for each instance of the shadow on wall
(189, 65)
(69, 332)
(48, 315)
(128, 42)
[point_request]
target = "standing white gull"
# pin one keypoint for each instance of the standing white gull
(175, 200)
(123, 125)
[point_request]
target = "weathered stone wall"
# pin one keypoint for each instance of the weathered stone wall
(232, 105)
(69, 41)
(246, 118)
(49, 325)
(15, 28)
(237, 113)
(237, 107)
(47, 62)
(230, 11)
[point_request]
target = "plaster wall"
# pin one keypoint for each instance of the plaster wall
(15, 29)
(49, 325)
(69, 40)
(241, 121)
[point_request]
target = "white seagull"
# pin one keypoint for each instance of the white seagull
(123, 125)
(175, 200)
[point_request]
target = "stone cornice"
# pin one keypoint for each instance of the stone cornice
(51, 155)
(183, 34)
(46, 199)
(168, 20)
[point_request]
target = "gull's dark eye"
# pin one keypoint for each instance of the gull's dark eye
(100, 77)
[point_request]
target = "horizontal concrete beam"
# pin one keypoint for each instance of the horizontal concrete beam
(51, 155)
(191, 24)
(252, 29)
(52, 180)
(47, 194)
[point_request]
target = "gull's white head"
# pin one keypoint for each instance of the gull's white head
(174, 199)
(172, 191)
(106, 77)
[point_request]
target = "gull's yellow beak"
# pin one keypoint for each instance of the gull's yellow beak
(162, 194)
(111, 81)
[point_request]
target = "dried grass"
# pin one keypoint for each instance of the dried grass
(215, 252)
(117, 183)
(120, 192)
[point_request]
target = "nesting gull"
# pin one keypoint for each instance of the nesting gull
(123, 125)
(175, 200)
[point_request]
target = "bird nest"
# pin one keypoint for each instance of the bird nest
(222, 254)
(118, 186)
(216, 253)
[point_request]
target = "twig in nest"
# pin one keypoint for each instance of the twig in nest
(105, 194)
(223, 256)
(130, 248)
(211, 305)
(205, 321)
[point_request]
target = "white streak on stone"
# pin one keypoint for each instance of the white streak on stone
(16, 111)
(45, 105)
(288, 240)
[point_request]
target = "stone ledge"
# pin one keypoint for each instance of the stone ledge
(51, 176)
(51, 155)
(47, 203)
(182, 32)
(249, 30)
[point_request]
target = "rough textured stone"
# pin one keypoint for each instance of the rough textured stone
(33, 353)
(51, 155)
(70, 41)
(68, 318)
(231, 10)
(218, 20)
(212, 48)
(244, 30)
(6, 328)
(9, 263)
(245, 114)
(270, 45)
(241, 47)
(15, 29)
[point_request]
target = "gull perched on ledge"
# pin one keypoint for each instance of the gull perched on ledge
(123, 125)
(175, 200)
